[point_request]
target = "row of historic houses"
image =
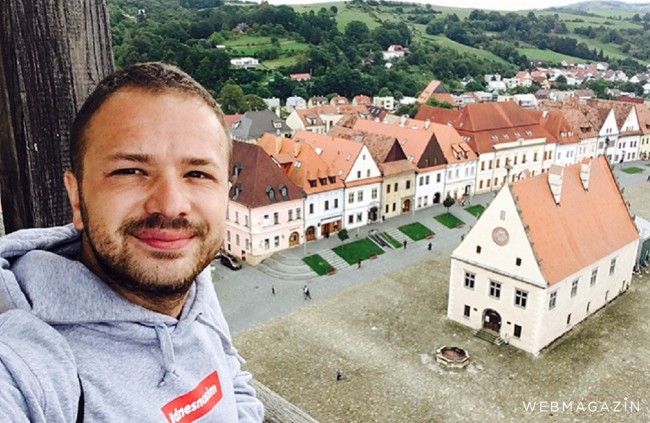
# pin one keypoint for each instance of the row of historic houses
(365, 170)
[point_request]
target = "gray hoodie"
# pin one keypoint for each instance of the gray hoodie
(59, 322)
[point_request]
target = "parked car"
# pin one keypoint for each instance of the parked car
(230, 261)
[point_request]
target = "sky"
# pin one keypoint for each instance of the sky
(479, 4)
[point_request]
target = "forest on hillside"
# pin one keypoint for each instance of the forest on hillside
(347, 59)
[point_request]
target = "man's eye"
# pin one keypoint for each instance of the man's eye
(199, 175)
(129, 171)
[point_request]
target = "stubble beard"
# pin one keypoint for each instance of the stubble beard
(120, 269)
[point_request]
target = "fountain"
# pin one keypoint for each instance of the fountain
(452, 357)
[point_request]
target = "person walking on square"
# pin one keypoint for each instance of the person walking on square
(339, 375)
(404, 244)
(273, 289)
(306, 293)
(359, 264)
(429, 247)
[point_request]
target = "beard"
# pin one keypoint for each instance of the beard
(160, 277)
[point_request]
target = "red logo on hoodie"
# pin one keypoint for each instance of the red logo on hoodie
(196, 403)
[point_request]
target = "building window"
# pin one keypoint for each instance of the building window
(358, 174)
(568, 319)
(246, 220)
(237, 240)
(394, 206)
(594, 276)
(360, 196)
(386, 209)
(374, 193)
(521, 298)
(276, 218)
(327, 205)
(351, 198)
(552, 300)
(368, 173)
(478, 249)
(421, 180)
(236, 217)
(502, 215)
(290, 215)
(387, 188)
(276, 241)
(438, 176)
(228, 236)
(466, 311)
(311, 209)
(495, 289)
(470, 278)
(588, 304)
(408, 184)
(612, 266)
(517, 332)
(336, 203)
(359, 217)
(267, 244)
(351, 219)
(518, 261)
(396, 185)
(574, 288)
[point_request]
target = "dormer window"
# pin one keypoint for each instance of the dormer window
(332, 179)
(271, 193)
(312, 183)
(323, 181)
(236, 169)
(284, 192)
(277, 124)
(236, 192)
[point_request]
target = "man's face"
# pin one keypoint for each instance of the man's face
(153, 195)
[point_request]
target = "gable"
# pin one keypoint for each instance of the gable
(395, 153)
(501, 257)
(432, 155)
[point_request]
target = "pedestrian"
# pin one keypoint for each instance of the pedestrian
(648, 179)
(429, 247)
(359, 264)
(98, 315)
(273, 289)
(462, 237)
(339, 375)
(306, 293)
(404, 244)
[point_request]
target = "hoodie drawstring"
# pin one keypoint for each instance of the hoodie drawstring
(167, 348)
(227, 344)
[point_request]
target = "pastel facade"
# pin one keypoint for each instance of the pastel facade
(548, 252)
(265, 215)
(324, 190)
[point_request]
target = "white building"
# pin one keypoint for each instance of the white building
(548, 252)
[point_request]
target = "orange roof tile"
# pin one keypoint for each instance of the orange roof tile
(433, 87)
(587, 225)
(303, 165)
(338, 153)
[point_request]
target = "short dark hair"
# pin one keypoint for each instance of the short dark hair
(153, 77)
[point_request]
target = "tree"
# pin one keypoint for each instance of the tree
(254, 102)
(51, 59)
(231, 98)
(448, 202)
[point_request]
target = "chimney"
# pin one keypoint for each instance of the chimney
(555, 177)
(544, 114)
(403, 120)
(278, 144)
(585, 171)
(427, 123)
(296, 149)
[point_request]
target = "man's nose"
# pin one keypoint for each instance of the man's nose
(169, 197)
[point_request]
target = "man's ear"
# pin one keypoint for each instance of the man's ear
(72, 186)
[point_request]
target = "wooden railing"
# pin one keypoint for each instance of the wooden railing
(278, 409)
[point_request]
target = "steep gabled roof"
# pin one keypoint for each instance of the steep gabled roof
(585, 227)
(253, 125)
(434, 87)
(558, 127)
(301, 163)
(247, 163)
(339, 154)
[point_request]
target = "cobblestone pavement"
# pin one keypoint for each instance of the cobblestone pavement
(381, 332)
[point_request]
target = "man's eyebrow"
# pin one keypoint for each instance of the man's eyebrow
(198, 161)
(139, 158)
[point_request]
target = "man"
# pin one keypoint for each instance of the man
(114, 318)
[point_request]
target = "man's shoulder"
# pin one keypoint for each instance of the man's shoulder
(37, 364)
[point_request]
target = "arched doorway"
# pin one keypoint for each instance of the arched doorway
(294, 239)
(436, 198)
(311, 233)
(491, 320)
(406, 207)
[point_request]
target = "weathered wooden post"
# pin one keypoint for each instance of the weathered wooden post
(52, 54)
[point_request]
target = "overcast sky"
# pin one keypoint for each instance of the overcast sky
(479, 4)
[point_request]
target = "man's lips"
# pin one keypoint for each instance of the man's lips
(165, 240)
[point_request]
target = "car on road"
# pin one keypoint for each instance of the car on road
(229, 261)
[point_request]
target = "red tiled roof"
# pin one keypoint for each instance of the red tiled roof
(339, 154)
(587, 225)
(253, 190)
(301, 163)
(433, 87)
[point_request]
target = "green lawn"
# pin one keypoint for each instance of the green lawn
(449, 220)
(357, 250)
(632, 170)
(318, 264)
(392, 241)
(475, 210)
(547, 55)
(416, 231)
